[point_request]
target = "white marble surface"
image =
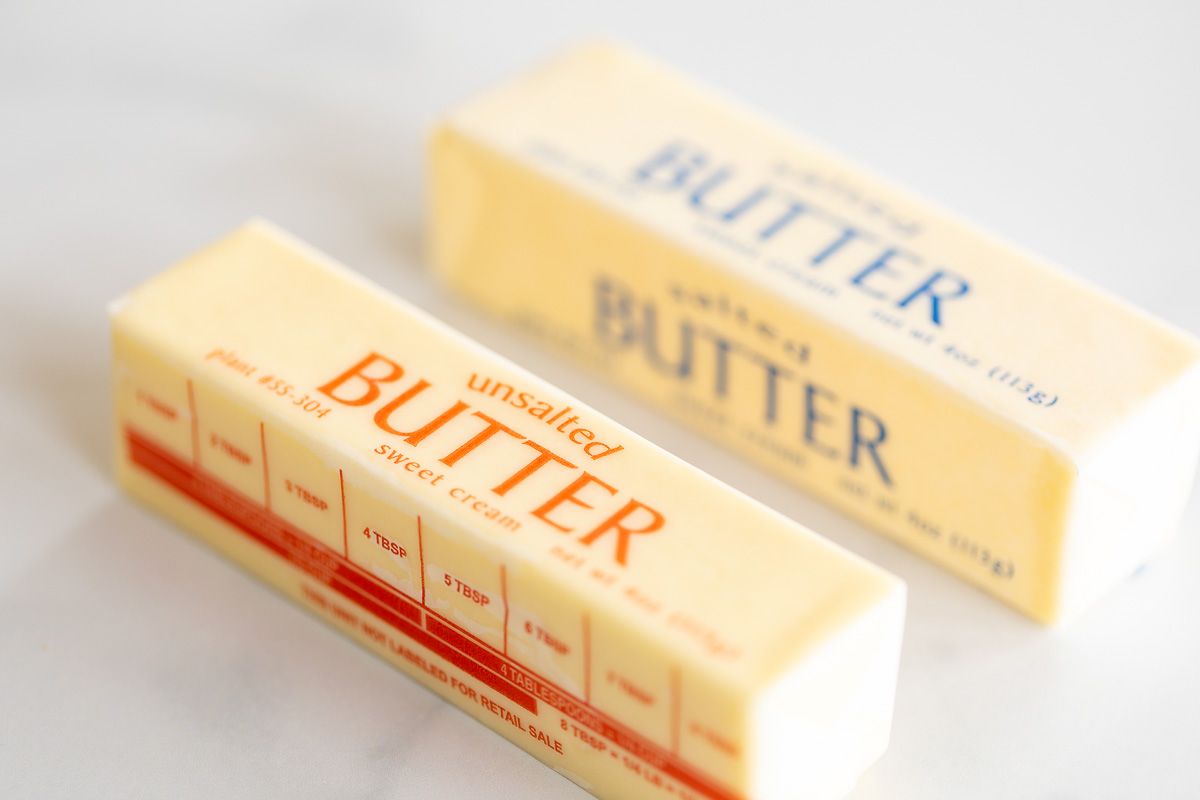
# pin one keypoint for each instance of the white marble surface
(134, 663)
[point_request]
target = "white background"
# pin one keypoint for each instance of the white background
(134, 663)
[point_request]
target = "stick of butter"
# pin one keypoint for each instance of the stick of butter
(1020, 428)
(641, 628)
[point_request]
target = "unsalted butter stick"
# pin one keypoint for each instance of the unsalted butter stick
(1022, 429)
(625, 618)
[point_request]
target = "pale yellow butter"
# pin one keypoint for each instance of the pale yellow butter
(1023, 429)
(638, 626)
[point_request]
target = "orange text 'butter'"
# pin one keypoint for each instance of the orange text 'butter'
(633, 623)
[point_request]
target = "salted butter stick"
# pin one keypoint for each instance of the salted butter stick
(1024, 430)
(620, 615)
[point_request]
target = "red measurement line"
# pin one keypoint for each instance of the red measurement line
(675, 692)
(504, 599)
(587, 659)
(421, 556)
(345, 534)
(313, 558)
(439, 635)
(262, 441)
(268, 529)
(195, 423)
(553, 695)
